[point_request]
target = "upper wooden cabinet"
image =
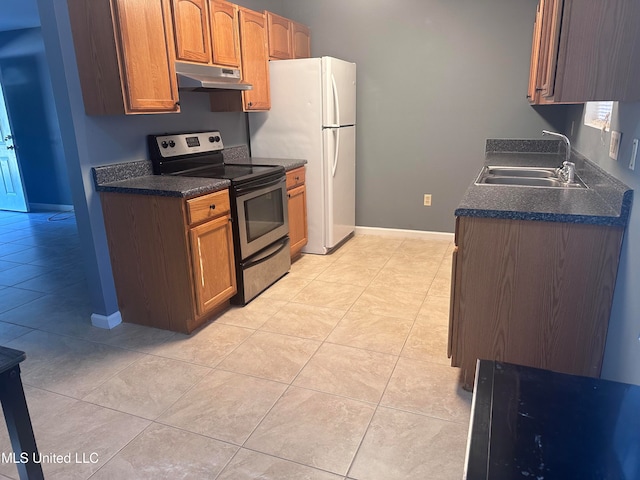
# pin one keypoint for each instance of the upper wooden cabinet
(280, 36)
(287, 39)
(225, 36)
(301, 36)
(206, 31)
(191, 24)
(585, 51)
(255, 59)
(124, 50)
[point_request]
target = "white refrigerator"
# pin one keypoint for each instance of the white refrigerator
(313, 117)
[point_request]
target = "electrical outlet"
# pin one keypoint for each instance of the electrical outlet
(427, 199)
(634, 152)
(614, 146)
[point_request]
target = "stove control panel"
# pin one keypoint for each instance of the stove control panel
(181, 144)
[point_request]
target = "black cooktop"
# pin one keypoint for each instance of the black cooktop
(235, 173)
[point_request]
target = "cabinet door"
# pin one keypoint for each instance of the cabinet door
(213, 263)
(301, 40)
(534, 71)
(225, 37)
(280, 35)
(297, 218)
(147, 62)
(192, 30)
(255, 61)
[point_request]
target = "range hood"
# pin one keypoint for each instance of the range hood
(200, 78)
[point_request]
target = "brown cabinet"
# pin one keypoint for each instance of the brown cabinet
(225, 35)
(585, 51)
(255, 60)
(287, 39)
(207, 31)
(192, 35)
(172, 259)
(301, 39)
(125, 55)
(532, 293)
(297, 201)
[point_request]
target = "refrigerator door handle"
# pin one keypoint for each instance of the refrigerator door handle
(336, 99)
(335, 155)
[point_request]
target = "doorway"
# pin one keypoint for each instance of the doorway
(12, 193)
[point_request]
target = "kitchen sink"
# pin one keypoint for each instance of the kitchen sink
(533, 172)
(525, 177)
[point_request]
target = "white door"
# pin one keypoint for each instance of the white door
(340, 186)
(12, 194)
(339, 91)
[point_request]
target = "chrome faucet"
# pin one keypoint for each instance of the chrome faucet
(568, 170)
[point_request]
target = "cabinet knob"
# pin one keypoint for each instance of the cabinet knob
(250, 104)
(289, 195)
(212, 207)
(297, 178)
(177, 104)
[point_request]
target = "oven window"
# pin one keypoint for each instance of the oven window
(264, 213)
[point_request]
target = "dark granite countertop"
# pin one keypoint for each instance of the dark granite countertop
(137, 178)
(537, 424)
(606, 201)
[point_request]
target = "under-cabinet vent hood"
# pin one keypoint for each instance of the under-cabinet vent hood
(200, 78)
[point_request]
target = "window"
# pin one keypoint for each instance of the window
(598, 115)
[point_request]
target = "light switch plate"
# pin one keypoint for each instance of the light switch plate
(614, 146)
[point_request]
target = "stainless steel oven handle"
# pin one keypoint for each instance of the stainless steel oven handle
(268, 253)
(257, 186)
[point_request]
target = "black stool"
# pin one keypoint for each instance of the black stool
(16, 414)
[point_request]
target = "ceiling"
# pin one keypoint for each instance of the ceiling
(17, 14)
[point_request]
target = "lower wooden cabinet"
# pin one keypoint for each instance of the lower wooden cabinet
(532, 293)
(172, 259)
(297, 193)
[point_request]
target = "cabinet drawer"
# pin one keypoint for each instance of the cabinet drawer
(295, 178)
(207, 206)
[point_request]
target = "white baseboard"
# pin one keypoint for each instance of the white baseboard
(51, 207)
(106, 321)
(400, 233)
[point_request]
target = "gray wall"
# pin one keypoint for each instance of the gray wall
(34, 120)
(622, 353)
(435, 79)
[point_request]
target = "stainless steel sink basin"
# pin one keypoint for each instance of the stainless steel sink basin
(525, 181)
(533, 172)
(525, 177)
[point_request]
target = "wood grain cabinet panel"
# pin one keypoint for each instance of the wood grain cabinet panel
(287, 39)
(173, 267)
(125, 55)
(225, 35)
(585, 51)
(255, 59)
(532, 293)
(280, 36)
(213, 264)
(192, 36)
(297, 210)
(301, 40)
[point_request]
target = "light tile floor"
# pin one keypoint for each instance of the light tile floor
(338, 371)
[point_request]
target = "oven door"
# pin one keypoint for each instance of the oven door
(262, 215)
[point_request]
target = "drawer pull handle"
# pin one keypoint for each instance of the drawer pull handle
(212, 207)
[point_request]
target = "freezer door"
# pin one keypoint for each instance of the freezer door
(340, 183)
(339, 92)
